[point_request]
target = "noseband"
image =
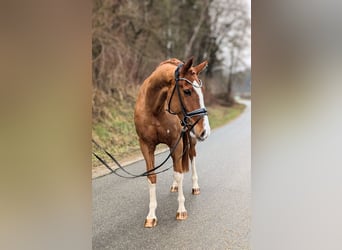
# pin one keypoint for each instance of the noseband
(185, 122)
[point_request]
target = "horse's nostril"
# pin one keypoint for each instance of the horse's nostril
(203, 133)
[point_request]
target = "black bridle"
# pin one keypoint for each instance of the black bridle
(185, 122)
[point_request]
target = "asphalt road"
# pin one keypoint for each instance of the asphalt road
(219, 218)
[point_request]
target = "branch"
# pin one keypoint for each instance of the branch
(189, 45)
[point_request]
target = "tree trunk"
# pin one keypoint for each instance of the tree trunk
(229, 97)
(189, 45)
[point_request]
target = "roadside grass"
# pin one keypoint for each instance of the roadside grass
(116, 133)
(118, 136)
(220, 115)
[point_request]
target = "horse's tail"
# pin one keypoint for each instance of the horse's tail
(186, 151)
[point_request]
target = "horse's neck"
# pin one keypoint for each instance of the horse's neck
(157, 94)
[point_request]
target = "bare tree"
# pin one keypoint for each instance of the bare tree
(231, 29)
(131, 37)
(196, 29)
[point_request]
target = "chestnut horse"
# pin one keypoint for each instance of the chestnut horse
(169, 105)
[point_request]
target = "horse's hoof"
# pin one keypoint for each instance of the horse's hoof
(196, 191)
(149, 223)
(181, 215)
(174, 189)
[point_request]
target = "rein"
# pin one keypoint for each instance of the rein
(187, 126)
(130, 175)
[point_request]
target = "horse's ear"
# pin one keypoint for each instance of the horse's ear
(187, 65)
(201, 67)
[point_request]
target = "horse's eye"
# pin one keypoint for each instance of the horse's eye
(187, 92)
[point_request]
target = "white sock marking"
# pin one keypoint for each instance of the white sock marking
(153, 201)
(194, 173)
(174, 183)
(181, 199)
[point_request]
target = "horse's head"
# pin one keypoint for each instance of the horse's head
(190, 103)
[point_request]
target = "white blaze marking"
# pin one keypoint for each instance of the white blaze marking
(201, 99)
(153, 201)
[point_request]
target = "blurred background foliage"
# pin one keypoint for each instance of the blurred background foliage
(130, 38)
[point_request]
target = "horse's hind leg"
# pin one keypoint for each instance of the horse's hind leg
(195, 187)
(148, 152)
(174, 186)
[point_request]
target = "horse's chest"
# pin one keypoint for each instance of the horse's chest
(168, 130)
(165, 133)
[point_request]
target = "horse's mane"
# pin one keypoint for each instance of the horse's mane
(173, 61)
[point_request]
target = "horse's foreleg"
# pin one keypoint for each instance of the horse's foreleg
(151, 219)
(148, 152)
(178, 180)
(181, 212)
(195, 187)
